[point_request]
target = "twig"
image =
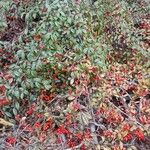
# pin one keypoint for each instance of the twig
(125, 114)
(99, 125)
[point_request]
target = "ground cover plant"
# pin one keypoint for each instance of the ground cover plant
(74, 74)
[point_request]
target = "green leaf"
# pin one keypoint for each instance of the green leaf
(16, 93)
(16, 73)
(21, 54)
(72, 81)
(22, 95)
(15, 111)
(37, 84)
(8, 114)
(47, 87)
(17, 105)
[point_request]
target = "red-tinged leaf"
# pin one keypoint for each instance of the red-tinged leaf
(1, 50)
(128, 137)
(62, 130)
(139, 134)
(4, 102)
(28, 129)
(44, 10)
(41, 46)
(37, 38)
(11, 140)
(48, 125)
(2, 89)
(37, 125)
(42, 136)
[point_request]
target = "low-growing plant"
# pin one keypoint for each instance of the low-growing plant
(74, 75)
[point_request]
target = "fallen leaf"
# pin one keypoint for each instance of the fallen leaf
(5, 123)
(71, 98)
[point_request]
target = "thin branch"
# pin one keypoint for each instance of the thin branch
(125, 114)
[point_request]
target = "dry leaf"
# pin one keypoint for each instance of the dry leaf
(121, 145)
(37, 38)
(71, 98)
(5, 123)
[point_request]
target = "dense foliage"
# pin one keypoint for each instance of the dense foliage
(75, 74)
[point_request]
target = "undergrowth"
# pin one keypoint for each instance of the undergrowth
(74, 75)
